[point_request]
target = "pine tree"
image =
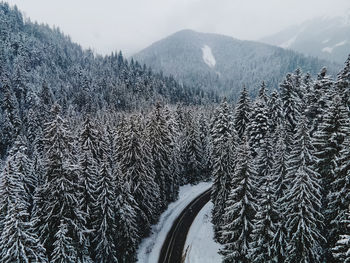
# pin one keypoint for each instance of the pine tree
(223, 163)
(64, 251)
(137, 167)
(303, 201)
(240, 209)
(161, 148)
(290, 108)
(274, 114)
(204, 137)
(341, 250)
(19, 152)
(280, 187)
(262, 93)
(258, 126)
(342, 84)
(318, 98)
(11, 123)
(328, 144)
(339, 198)
(128, 235)
(105, 215)
(192, 151)
(175, 164)
(87, 178)
(59, 204)
(7, 189)
(242, 113)
(18, 241)
(261, 249)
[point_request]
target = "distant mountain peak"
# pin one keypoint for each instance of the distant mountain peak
(223, 63)
(325, 37)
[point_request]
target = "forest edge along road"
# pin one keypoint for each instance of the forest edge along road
(172, 249)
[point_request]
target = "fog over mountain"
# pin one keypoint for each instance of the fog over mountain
(107, 26)
(323, 37)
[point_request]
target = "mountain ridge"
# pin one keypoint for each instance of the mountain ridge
(323, 37)
(238, 63)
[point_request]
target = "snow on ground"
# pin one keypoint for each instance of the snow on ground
(208, 56)
(150, 247)
(200, 244)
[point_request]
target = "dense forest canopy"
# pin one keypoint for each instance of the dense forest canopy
(93, 149)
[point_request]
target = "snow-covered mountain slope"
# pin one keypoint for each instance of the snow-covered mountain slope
(323, 37)
(208, 56)
(224, 64)
(200, 245)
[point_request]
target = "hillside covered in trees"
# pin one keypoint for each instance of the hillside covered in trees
(40, 65)
(224, 64)
(93, 149)
(281, 172)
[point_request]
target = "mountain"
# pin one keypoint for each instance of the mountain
(323, 37)
(33, 55)
(224, 64)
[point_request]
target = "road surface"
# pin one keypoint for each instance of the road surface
(174, 243)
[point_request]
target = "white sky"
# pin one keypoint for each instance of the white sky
(131, 25)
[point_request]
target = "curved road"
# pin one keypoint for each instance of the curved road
(174, 243)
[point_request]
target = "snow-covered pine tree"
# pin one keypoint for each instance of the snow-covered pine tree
(328, 142)
(303, 201)
(33, 130)
(160, 139)
(259, 124)
(242, 113)
(343, 83)
(261, 249)
(205, 145)
(60, 191)
(290, 108)
(274, 113)
(87, 179)
(175, 165)
(318, 98)
(7, 189)
(19, 152)
(341, 250)
(192, 150)
(262, 93)
(223, 155)
(18, 240)
(64, 251)
(278, 176)
(11, 120)
(240, 209)
(128, 234)
(105, 214)
(136, 166)
(119, 137)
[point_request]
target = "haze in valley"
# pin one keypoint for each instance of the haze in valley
(110, 25)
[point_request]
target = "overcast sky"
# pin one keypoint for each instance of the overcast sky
(130, 25)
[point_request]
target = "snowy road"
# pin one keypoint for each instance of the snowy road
(173, 247)
(150, 247)
(200, 244)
